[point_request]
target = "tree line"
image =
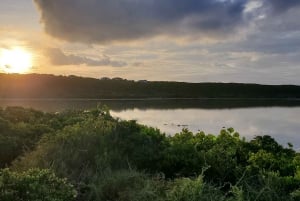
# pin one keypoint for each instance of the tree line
(51, 86)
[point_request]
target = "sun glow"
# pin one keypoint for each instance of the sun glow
(16, 60)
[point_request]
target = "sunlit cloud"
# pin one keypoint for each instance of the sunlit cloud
(58, 57)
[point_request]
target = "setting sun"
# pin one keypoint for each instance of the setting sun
(16, 60)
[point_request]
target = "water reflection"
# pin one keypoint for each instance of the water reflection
(54, 105)
(281, 123)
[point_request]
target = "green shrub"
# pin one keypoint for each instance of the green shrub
(79, 151)
(34, 185)
(186, 189)
(73, 152)
(123, 185)
(20, 130)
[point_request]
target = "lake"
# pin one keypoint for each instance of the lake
(277, 118)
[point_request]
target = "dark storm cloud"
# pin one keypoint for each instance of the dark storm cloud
(57, 57)
(97, 21)
(278, 6)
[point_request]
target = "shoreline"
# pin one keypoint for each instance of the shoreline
(144, 99)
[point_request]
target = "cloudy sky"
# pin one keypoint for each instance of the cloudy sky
(253, 41)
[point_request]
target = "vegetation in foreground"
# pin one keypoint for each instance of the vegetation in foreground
(90, 156)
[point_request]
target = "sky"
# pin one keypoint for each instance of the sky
(249, 41)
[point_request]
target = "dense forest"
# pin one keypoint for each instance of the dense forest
(50, 86)
(90, 156)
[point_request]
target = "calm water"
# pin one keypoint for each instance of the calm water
(278, 118)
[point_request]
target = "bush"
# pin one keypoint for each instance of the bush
(79, 151)
(123, 185)
(186, 189)
(20, 130)
(73, 152)
(34, 185)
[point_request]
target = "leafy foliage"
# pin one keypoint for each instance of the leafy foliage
(34, 185)
(110, 159)
(124, 185)
(186, 189)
